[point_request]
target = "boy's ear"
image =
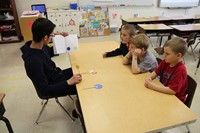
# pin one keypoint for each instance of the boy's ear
(46, 38)
(179, 55)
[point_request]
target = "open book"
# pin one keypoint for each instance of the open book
(63, 44)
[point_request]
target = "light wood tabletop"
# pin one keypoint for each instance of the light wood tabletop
(154, 27)
(187, 27)
(158, 18)
(123, 104)
(136, 20)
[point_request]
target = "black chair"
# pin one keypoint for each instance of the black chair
(159, 60)
(191, 41)
(79, 113)
(41, 8)
(192, 84)
(198, 63)
(2, 111)
(46, 99)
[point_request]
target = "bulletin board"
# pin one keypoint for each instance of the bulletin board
(94, 21)
(116, 2)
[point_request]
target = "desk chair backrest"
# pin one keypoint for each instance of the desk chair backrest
(192, 84)
(40, 95)
(41, 8)
(191, 38)
(159, 60)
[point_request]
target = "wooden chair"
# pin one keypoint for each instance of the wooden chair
(192, 84)
(46, 99)
(79, 112)
(2, 111)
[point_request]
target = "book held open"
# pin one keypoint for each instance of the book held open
(63, 44)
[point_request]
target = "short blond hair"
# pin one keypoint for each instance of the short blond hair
(177, 45)
(130, 28)
(140, 41)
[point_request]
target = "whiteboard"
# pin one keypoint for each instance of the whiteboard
(116, 2)
(178, 3)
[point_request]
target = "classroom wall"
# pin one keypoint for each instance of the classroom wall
(114, 12)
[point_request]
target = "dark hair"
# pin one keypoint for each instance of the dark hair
(177, 45)
(42, 27)
(130, 28)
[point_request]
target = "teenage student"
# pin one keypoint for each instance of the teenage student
(127, 31)
(49, 79)
(171, 70)
(139, 57)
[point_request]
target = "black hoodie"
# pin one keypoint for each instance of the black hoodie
(49, 79)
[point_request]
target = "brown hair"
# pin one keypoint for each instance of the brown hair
(140, 41)
(130, 28)
(177, 44)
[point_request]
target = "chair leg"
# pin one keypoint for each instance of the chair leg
(64, 109)
(197, 44)
(43, 107)
(193, 53)
(187, 128)
(7, 124)
(71, 98)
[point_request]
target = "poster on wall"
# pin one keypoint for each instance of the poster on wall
(94, 21)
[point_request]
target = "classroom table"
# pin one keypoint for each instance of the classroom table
(168, 20)
(185, 30)
(123, 104)
(159, 19)
(135, 21)
(156, 30)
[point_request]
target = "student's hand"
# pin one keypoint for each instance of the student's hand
(64, 34)
(104, 55)
(75, 79)
(137, 52)
(147, 82)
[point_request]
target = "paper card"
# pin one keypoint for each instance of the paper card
(63, 44)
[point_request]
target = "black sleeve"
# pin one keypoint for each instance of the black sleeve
(50, 50)
(122, 50)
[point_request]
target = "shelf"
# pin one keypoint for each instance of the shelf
(5, 9)
(8, 30)
(8, 6)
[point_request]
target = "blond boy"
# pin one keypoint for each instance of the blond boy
(139, 57)
(172, 71)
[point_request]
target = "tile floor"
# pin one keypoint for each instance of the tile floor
(23, 104)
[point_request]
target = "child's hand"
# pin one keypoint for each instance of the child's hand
(137, 52)
(104, 55)
(148, 82)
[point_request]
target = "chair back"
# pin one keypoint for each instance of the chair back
(192, 84)
(40, 95)
(158, 60)
(191, 38)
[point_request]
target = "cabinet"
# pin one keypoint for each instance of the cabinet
(9, 24)
(65, 20)
(26, 24)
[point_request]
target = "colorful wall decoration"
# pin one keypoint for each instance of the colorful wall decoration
(94, 21)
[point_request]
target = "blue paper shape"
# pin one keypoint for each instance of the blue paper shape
(98, 86)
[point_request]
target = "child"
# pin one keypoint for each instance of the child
(172, 72)
(127, 31)
(139, 57)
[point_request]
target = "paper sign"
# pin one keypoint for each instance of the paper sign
(63, 44)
